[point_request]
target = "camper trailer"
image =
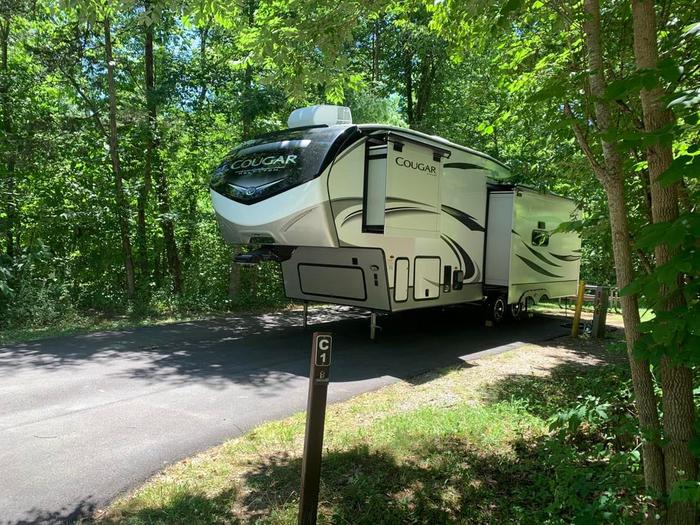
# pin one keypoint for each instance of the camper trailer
(391, 219)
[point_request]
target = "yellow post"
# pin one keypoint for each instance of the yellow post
(579, 306)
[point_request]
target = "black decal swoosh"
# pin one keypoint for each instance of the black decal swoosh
(454, 251)
(340, 205)
(297, 218)
(409, 208)
(540, 256)
(567, 258)
(469, 267)
(464, 218)
(537, 267)
(464, 166)
(391, 200)
(350, 216)
(387, 211)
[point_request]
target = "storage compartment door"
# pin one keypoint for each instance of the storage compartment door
(401, 280)
(426, 278)
(334, 282)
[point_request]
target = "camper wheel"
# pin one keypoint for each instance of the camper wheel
(496, 309)
(517, 311)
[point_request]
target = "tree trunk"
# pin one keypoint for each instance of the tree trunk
(122, 207)
(152, 166)
(145, 189)
(676, 379)
(234, 276)
(426, 80)
(375, 51)
(8, 145)
(408, 75)
(247, 118)
(611, 176)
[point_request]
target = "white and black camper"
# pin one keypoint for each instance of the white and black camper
(391, 219)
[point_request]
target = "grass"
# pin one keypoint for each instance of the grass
(85, 323)
(463, 445)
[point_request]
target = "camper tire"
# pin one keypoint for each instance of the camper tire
(496, 309)
(517, 311)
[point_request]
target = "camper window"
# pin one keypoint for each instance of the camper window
(374, 186)
(260, 168)
(540, 238)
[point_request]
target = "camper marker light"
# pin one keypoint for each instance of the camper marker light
(319, 115)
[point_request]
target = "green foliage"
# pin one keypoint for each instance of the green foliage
(674, 332)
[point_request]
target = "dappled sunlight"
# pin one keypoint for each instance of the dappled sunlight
(468, 444)
(266, 349)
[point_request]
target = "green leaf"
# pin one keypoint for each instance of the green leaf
(684, 166)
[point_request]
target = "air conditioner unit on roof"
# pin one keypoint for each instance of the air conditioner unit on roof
(320, 115)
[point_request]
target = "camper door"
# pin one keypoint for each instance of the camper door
(412, 190)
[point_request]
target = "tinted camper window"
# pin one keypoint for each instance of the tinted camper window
(540, 238)
(263, 167)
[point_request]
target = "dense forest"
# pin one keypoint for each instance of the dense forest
(114, 114)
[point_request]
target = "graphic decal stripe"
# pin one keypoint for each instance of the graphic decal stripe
(469, 267)
(567, 258)
(537, 267)
(402, 209)
(464, 166)
(296, 219)
(390, 200)
(340, 205)
(464, 218)
(459, 259)
(540, 256)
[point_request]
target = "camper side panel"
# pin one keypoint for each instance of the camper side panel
(432, 229)
(499, 238)
(542, 263)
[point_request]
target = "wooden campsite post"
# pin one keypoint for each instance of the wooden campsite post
(579, 306)
(319, 377)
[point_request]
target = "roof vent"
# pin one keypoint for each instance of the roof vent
(320, 115)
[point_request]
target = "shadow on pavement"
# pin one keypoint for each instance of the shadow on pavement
(273, 349)
(443, 477)
(65, 515)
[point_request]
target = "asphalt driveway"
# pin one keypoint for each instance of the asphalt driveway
(84, 418)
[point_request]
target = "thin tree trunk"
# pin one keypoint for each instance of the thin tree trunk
(152, 166)
(234, 276)
(247, 118)
(611, 176)
(375, 51)
(408, 74)
(425, 87)
(676, 379)
(11, 204)
(145, 189)
(122, 207)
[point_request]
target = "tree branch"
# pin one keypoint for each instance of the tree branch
(638, 123)
(583, 144)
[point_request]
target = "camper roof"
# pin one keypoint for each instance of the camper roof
(438, 141)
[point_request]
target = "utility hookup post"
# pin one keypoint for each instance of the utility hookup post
(319, 377)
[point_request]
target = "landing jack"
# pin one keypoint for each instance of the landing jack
(373, 326)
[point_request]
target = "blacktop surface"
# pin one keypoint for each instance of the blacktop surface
(85, 418)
